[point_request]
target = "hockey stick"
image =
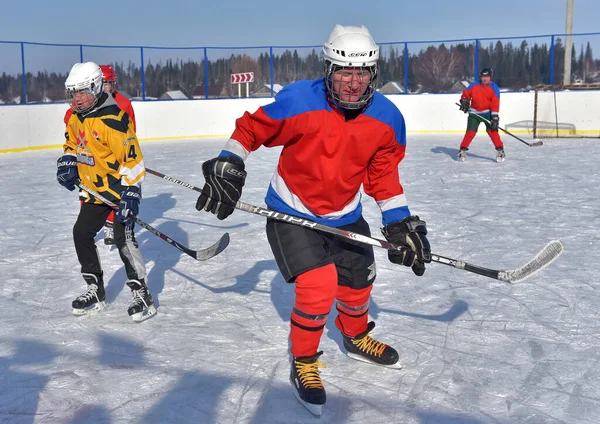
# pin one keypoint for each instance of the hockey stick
(534, 144)
(540, 261)
(200, 255)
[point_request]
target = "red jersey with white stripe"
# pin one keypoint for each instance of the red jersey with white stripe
(485, 99)
(327, 155)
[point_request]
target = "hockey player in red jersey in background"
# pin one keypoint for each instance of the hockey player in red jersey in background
(109, 81)
(338, 134)
(483, 98)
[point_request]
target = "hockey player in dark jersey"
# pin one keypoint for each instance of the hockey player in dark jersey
(338, 134)
(101, 151)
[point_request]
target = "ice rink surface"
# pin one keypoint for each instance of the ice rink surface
(474, 350)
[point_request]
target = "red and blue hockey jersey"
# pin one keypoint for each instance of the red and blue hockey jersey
(485, 99)
(326, 156)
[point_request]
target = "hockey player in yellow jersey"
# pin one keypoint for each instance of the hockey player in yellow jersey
(101, 151)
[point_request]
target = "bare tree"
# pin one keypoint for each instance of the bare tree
(438, 69)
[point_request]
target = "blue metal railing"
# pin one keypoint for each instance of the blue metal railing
(410, 55)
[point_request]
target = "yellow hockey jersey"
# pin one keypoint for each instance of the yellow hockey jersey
(107, 150)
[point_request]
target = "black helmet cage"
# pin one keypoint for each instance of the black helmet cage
(364, 99)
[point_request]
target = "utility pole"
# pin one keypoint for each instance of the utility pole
(568, 47)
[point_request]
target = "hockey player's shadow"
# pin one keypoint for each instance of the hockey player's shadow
(152, 248)
(195, 398)
(456, 310)
(20, 390)
(162, 256)
(453, 153)
(115, 353)
(245, 283)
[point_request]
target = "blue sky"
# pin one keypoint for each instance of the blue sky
(226, 23)
(268, 22)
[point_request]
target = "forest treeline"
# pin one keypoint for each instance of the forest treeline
(433, 69)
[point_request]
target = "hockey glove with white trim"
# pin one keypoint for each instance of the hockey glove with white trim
(66, 172)
(465, 104)
(224, 178)
(494, 123)
(129, 206)
(411, 233)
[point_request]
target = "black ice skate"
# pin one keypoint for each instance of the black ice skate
(93, 298)
(306, 379)
(500, 156)
(366, 349)
(462, 155)
(142, 305)
(109, 234)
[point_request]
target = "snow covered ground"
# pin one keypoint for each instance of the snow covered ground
(474, 350)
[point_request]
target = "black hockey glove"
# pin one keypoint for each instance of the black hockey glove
(129, 206)
(494, 122)
(410, 232)
(465, 104)
(224, 176)
(66, 172)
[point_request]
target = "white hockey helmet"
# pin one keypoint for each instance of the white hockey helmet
(351, 46)
(85, 77)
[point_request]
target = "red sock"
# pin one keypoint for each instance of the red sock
(353, 310)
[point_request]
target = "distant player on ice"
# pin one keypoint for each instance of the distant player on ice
(102, 151)
(338, 134)
(483, 98)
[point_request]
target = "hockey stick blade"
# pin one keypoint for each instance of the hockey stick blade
(200, 255)
(212, 251)
(537, 143)
(544, 257)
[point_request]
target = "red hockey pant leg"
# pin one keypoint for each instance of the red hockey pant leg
(469, 136)
(496, 139)
(315, 292)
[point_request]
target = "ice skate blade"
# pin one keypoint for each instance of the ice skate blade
(316, 410)
(94, 309)
(140, 316)
(461, 159)
(396, 366)
(500, 160)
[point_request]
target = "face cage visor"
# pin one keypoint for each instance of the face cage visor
(364, 98)
(109, 86)
(70, 95)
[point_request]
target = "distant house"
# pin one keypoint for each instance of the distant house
(174, 95)
(460, 86)
(214, 91)
(392, 87)
(265, 90)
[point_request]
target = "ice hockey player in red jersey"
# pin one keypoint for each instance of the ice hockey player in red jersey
(338, 134)
(483, 98)
(109, 81)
